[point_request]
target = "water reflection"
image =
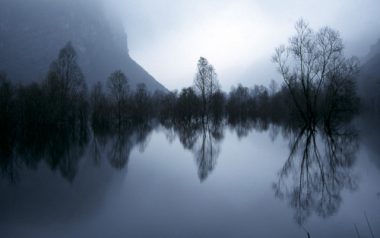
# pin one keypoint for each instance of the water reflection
(318, 168)
(116, 145)
(60, 147)
(203, 138)
(244, 126)
(370, 136)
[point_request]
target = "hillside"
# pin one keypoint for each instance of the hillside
(369, 81)
(33, 32)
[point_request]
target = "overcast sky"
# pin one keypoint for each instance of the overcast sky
(238, 37)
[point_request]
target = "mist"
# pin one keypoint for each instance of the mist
(189, 118)
(238, 37)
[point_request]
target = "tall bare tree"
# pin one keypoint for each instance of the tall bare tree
(311, 63)
(66, 88)
(206, 83)
(118, 87)
(67, 71)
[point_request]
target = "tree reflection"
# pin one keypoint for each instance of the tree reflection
(241, 127)
(203, 138)
(60, 148)
(318, 169)
(8, 162)
(117, 145)
(244, 126)
(207, 150)
(121, 147)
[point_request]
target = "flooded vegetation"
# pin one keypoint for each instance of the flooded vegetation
(298, 176)
(122, 156)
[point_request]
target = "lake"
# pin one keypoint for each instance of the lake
(251, 179)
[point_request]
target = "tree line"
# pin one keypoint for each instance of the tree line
(318, 85)
(54, 119)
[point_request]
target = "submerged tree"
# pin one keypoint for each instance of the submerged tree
(141, 104)
(66, 89)
(206, 83)
(7, 123)
(67, 72)
(312, 64)
(6, 103)
(119, 88)
(100, 109)
(187, 108)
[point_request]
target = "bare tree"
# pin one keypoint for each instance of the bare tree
(66, 70)
(206, 83)
(118, 87)
(66, 88)
(100, 110)
(309, 63)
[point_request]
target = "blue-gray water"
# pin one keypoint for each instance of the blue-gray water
(228, 182)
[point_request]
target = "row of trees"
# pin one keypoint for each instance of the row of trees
(50, 120)
(46, 119)
(63, 99)
(318, 85)
(117, 107)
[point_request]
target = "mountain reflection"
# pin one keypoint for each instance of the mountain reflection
(318, 168)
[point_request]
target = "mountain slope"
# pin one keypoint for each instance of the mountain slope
(33, 31)
(369, 81)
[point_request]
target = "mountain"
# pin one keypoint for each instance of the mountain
(373, 51)
(369, 80)
(33, 31)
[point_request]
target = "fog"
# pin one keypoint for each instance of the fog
(92, 143)
(238, 37)
(167, 37)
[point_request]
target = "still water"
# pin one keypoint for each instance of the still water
(245, 180)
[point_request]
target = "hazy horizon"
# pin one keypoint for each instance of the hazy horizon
(238, 38)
